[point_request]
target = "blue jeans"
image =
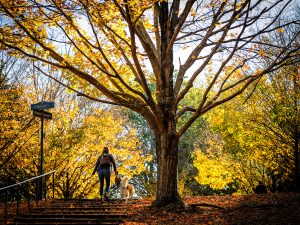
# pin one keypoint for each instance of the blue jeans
(104, 174)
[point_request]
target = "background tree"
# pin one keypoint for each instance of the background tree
(74, 138)
(191, 140)
(256, 139)
(15, 120)
(279, 100)
(110, 49)
(145, 182)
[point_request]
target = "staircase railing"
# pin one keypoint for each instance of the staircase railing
(18, 186)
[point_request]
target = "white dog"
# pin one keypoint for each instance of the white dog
(127, 190)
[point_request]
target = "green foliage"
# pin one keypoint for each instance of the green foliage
(145, 183)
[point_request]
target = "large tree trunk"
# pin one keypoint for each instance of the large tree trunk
(296, 158)
(165, 132)
(167, 162)
(296, 130)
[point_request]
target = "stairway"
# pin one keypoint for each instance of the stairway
(67, 212)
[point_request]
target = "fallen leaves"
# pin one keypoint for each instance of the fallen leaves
(273, 209)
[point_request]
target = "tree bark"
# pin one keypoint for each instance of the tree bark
(165, 129)
(296, 158)
(167, 162)
(296, 131)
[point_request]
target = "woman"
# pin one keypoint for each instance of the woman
(103, 168)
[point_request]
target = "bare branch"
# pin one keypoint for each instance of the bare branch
(81, 93)
(184, 110)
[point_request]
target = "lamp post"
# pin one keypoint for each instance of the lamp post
(38, 110)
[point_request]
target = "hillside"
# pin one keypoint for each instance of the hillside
(270, 209)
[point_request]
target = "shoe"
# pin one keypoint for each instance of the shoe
(106, 197)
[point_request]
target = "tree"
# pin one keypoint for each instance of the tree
(257, 140)
(145, 183)
(279, 99)
(76, 144)
(75, 138)
(108, 47)
(15, 122)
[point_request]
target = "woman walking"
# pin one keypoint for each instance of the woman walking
(103, 168)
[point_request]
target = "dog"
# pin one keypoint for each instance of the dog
(127, 190)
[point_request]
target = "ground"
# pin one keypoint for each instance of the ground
(266, 209)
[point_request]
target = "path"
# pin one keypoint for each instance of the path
(62, 212)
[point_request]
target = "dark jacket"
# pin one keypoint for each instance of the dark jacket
(105, 166)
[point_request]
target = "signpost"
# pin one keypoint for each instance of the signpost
(41, 113)
(38, 110)
(42, 105)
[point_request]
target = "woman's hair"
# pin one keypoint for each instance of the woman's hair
(105, 150)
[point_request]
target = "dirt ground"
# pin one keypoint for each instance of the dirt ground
(266, 209)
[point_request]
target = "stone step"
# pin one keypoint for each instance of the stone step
(63, 220)
(60, 221)
(66, 223)
(105, 204)
(67, 209)
(75, 214)
(67, 205)
(88, 201)
(76, 210)
(86, 205)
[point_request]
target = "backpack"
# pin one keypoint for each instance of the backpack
(105, 159)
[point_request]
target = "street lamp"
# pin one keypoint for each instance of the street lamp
(38, 110)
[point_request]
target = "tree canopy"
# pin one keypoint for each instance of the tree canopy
(130, 53)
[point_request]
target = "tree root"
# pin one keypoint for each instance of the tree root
(194, 205)
(174, 206)
(181, 206)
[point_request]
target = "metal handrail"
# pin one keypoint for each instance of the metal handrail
(23, 182)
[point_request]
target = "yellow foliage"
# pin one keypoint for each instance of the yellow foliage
(280, 30)
(254, 152)
(212, 170)
(262, 53)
